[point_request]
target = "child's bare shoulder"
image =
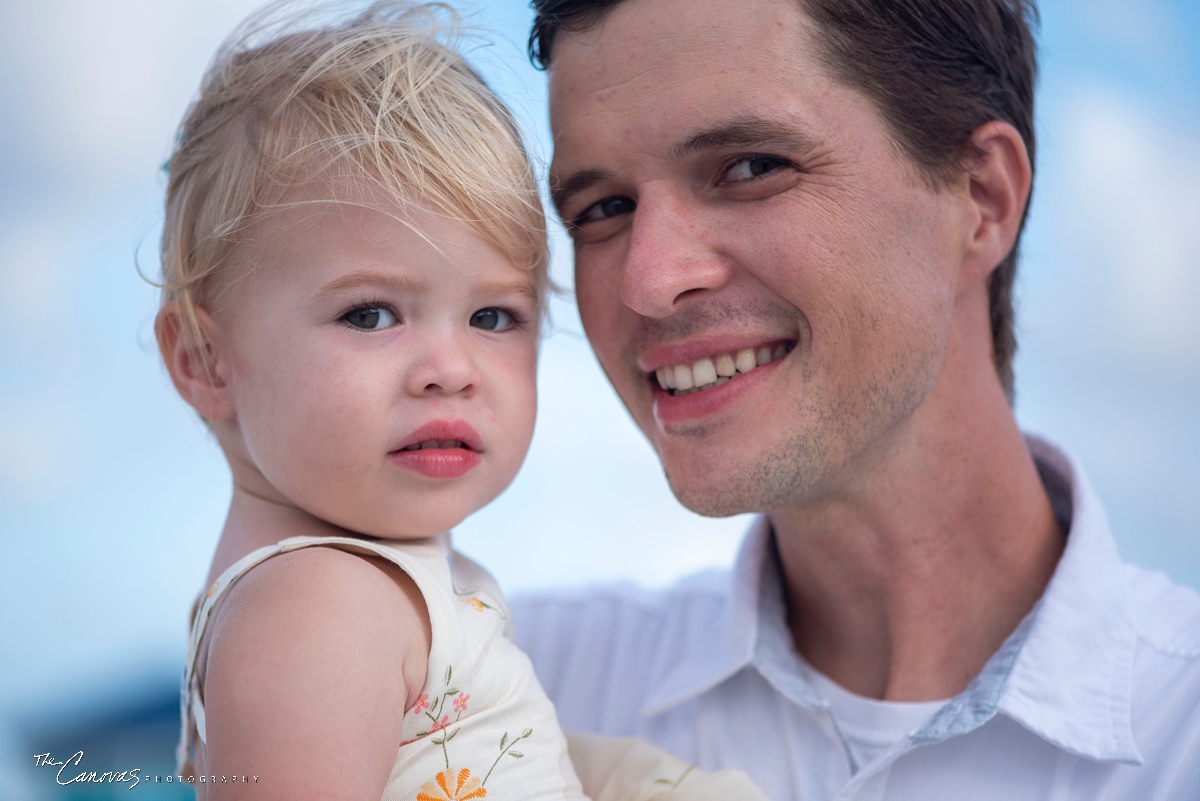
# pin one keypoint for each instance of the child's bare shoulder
(312, 658)
(357, 606)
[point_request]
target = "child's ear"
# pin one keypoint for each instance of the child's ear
(189, 350)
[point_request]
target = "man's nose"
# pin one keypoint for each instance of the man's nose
(442, 364)
(670, 262)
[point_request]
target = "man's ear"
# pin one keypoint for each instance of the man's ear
(188, 347)
(1000, 178)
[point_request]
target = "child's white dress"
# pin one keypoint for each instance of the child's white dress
(482, 726)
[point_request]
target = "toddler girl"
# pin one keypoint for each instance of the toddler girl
(354, 262)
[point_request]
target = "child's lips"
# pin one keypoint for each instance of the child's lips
(442, 435)
(442, 449)
(439, 462)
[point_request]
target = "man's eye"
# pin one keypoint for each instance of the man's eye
(492, 320)
(751, 167)
(370, 318)
(605, 209)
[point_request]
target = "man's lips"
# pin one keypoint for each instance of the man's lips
(683, 373)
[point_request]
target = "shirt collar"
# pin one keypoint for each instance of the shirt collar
(1069, 665)
(1065, 673)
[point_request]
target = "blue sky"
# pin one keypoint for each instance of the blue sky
(111, 495)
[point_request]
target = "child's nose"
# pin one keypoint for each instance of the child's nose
(443, 366)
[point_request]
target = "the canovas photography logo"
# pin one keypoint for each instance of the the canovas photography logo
(71, 771)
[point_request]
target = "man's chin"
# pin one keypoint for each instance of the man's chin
(721, 494)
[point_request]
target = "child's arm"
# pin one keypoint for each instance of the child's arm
(312, 661)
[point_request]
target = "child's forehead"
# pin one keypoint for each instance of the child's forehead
(345, 228)
(310, 212)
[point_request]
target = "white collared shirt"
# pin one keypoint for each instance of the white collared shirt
(1095, 695)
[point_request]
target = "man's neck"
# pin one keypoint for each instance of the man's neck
(902, 586)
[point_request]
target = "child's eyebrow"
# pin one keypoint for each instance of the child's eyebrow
(402, 283)
(523, 289)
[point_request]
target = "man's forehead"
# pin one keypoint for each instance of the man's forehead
(664, 39)
(664, 71)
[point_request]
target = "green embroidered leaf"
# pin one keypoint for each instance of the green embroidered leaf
(438, 741)
(526, 733)
(450, 736)
(449, 671)
(451, 693)
(504, 741)
(516, 754)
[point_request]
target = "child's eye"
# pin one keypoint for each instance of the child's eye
(370, 318)
(493, 319)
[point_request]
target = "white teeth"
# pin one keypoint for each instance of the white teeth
(713, 371)
(745, 360)
(703, 372)
(683, 377)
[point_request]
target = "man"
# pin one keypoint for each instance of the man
(795, 228)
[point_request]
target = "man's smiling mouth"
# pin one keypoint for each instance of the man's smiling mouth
(713, 371)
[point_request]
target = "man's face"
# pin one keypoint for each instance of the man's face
(744, 224)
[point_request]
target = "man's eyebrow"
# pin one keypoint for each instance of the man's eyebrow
(562, 191)
(747, 131)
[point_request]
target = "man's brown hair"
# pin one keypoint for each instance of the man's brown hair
(936, 69)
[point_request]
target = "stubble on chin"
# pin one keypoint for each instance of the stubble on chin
(831, 441)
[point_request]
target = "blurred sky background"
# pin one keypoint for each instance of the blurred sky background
(112, 495)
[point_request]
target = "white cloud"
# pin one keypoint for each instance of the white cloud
(42, 448)
(103, 83)
(1134, 182)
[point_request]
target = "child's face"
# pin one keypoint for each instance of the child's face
(355, 339)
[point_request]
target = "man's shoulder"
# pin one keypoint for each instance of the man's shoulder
(705, 586)
(615, 612)
(601, 651)
(1166, 615)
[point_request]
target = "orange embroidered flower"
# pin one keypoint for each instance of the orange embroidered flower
(475, 603)
(438, 725)
(421, 704)
(460, 702)
(465, 786)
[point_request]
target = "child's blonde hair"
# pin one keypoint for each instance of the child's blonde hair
(381, 98)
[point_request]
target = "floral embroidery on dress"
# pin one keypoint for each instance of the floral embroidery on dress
(476, 604)
(674, 784)
(465, 787)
